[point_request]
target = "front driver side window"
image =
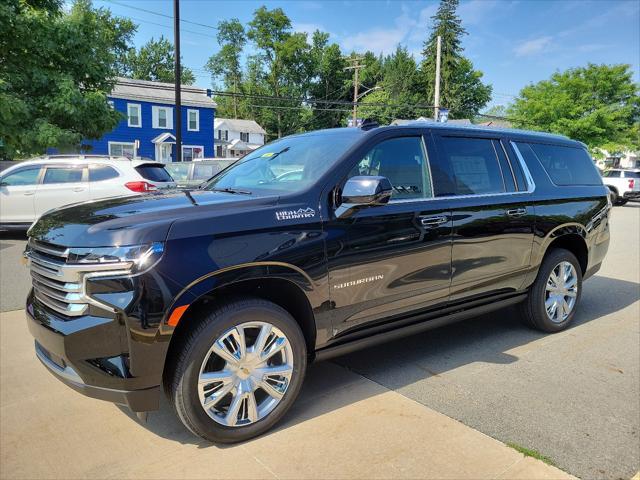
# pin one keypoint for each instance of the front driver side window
(403, 161)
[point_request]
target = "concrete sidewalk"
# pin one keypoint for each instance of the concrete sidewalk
(342, 426)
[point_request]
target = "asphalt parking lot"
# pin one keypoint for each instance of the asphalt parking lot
(573, 396)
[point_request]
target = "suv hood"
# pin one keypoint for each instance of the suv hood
(135, 220)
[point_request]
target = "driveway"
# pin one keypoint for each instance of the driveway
(573, 396)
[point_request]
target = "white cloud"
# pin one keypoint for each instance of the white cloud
(410, 29)
(532, 47)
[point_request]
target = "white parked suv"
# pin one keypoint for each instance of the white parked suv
(29, 189)
(624, 184)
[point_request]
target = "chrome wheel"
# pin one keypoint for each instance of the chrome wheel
(245, 374)
(561, 292)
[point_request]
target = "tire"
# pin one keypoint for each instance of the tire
(225, 325)
(533, 309)
(614, 196)
(622, 201)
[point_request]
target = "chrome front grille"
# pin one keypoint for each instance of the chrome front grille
(56, 284)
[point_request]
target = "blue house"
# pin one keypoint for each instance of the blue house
(148, 127)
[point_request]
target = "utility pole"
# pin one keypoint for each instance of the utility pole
(436, 97)
(356, 66)
(177, 115)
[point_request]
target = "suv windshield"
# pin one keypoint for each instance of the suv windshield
(287, 165)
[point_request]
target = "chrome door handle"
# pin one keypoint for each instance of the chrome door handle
(27, 194)
(78, 189)
(517, 212)
(434, 221)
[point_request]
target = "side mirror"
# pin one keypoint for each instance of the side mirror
(361, 192)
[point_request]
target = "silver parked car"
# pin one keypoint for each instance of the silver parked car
(192, 174)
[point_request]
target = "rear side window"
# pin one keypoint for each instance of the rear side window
(155, 173)
(26, 176)
(612, 174)
(62, 175)
(178, 171)
(474, 165)
(628, 174)
(102, 172)
(203, 172)
(566, 165)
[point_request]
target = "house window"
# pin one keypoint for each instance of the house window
(193, 120)
(219, 150)
(162, 117)
(134, 118)
(122, 149)
(244, 136)
(223, 134)
(191, 152)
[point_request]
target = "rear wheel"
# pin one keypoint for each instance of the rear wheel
(555, 294)
(239, 372)
(613, 195)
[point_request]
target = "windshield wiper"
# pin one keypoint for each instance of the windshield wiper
(231, 190)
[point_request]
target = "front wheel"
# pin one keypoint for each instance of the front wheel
(555, 294)
(239, 371)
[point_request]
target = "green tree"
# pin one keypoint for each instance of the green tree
(329, 82)
(155, 61)
(597, 104)
(56, 69)
(399, 86)
(461, 87)
(226, 64)
(282, 68)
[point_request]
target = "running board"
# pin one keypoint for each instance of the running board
(414, 328)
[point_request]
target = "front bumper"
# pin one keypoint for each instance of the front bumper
(91, 354)
(137, 400)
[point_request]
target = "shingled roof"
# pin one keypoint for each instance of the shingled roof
(160, 92)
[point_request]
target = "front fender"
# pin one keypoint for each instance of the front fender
(202, 286)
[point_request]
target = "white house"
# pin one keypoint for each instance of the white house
(628, 159)
(235, 137)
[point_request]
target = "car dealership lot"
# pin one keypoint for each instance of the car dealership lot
(572, 396)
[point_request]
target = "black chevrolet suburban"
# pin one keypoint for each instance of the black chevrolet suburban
(311, 246)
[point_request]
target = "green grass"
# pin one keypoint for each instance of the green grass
(527, 452)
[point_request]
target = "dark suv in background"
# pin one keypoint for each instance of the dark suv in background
(309, 247)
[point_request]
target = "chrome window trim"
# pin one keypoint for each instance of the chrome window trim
(513, 174)
(531, 185)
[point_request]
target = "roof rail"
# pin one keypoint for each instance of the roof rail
(368, 124)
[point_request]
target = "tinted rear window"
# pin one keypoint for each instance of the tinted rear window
(101, 172)
(631, 174)
(155, 173)
(566, 165)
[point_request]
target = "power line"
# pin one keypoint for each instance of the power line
(321, 101)
(168, 26)
(161, 14)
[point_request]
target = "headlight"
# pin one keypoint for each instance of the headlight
(133, 257)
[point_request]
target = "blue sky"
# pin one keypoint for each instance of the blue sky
(514, 42)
